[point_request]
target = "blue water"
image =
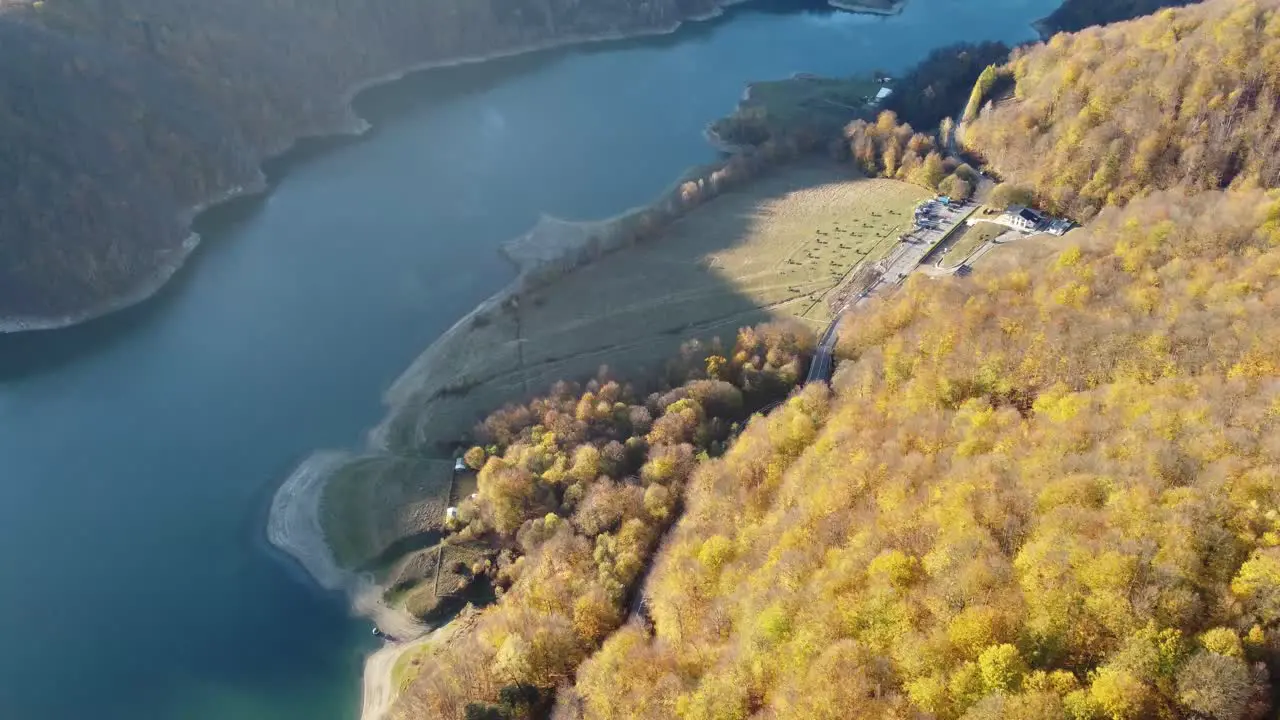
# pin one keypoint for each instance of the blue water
(138, 453)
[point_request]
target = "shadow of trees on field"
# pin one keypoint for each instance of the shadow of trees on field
(630, 302)
(26, 354)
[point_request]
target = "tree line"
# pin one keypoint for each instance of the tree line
(889, 149)
(938, 87)
(1075, 15)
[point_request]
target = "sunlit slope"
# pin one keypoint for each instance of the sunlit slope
(1186, 98)
(1045, 491)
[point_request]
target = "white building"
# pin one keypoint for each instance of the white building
(883, 95)
(1025, 219)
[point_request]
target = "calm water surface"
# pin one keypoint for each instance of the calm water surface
(138, 453)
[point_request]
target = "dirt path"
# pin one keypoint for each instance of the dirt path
(379, 670)
(366, 599)
(379, 692)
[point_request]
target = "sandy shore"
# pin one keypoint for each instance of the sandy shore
(294, 527)
(294, 523)
(378, 693)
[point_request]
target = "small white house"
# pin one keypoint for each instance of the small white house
(459, 465)
(883, 94)
(451, 513)
(1025, 219)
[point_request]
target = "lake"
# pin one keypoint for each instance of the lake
(139, 452)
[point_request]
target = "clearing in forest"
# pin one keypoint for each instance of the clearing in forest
(773, 249)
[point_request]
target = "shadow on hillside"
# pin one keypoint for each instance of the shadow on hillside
(26, 354)
(32, 353)
(631, 309)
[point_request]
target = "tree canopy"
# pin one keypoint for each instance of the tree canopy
(939, 86)
(1186, 98)
(575, 489)
(1047, 491)
(1075, 15)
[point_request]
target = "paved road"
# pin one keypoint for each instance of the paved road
(823, 363)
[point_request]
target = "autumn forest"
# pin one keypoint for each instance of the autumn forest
(1050, 489)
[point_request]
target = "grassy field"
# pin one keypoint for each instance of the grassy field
(423, 580)
(773, 250)
(971, 238)
(779, 107)
(406, 667)
(799, 98)
(372, 503)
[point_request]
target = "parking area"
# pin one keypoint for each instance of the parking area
(934, 219)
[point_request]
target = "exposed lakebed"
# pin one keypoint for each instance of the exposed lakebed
(139, 451)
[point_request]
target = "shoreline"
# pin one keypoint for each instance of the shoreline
(1042, 29)
(713, 138)
(352, 125)
(378, 690)
(854, 7)
(293, 528)
(378, 693)
(293, 524)
(531, 260)
(150, 285)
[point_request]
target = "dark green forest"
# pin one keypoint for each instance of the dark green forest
(116, 116)
(1076, 15)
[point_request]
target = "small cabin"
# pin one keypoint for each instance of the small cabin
(883, 95)
(459, 465)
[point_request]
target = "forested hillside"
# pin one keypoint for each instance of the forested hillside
(576, 489)
(116, 115)
(1079, 14)
(98, 152)
(1187, 98)
(1050, 491)
(938, 87)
